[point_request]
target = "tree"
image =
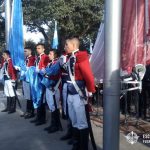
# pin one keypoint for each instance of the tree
(32, 45)
(2, 32)
(74, 17)
(2, 25)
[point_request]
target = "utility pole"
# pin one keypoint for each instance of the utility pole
(113, 15)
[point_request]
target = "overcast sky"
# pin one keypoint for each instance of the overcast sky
(31, 36)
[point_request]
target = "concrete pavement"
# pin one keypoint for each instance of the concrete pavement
(16, 133)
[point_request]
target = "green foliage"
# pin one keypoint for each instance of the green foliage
(74, 17)
(31, 44)
(2, 33)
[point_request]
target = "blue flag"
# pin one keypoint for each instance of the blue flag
(91, 47)
(16, 44)
(55, 38)
(36, 86)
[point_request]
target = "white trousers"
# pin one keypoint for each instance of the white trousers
(50, 99)
(26, 90)
(64, 94)
(76, 109)
(8, 88)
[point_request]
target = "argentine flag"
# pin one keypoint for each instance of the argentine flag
(91, 47)
(55, 38)
(16, 44)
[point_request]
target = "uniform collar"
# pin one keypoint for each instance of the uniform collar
(52, 61)
(75, 51)
(41, 54)
(8, 59)
(29, 56)
(72, 53)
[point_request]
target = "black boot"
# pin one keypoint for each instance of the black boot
(34, 120)
(41, 115)
(63, 115)
(76, 139)
(7, 106)
(68, 135)
(12, 105)
(84, 139)
(30, 115)
(52, 123)
(30, 110)
(24, 114)
(58, 122)
(27, 111)
(52, 126)
(56, 126)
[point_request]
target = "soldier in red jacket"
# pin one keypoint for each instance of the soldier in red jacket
(29, 61)
(10, 78)
(53, 87)
(41, 63)
(80, 78)
(42, 60)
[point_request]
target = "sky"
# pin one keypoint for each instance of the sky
(31, 36)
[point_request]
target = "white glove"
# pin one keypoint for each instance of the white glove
(17, 68)
(27, 68)
(90, 94)
(65, 65)
(22, 73)
(62, 60)
(37, 70)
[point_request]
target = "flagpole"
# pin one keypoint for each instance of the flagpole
(113, 13)
(7, 21)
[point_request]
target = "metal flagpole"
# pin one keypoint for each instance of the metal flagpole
(147, 25)
(113, 13)
(7, 21)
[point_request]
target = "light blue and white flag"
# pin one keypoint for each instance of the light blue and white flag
(16, 44)
(91, 47)
(55, 38)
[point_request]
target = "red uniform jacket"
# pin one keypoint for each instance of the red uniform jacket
(30, 61)
(11, 70)
(83, 70)
(42, 61)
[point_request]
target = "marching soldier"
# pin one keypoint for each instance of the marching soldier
(53, 94)
(80, 78)
(41, 63)
(29, 61)
(10, 78)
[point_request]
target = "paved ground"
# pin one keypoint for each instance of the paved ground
(17, 133)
